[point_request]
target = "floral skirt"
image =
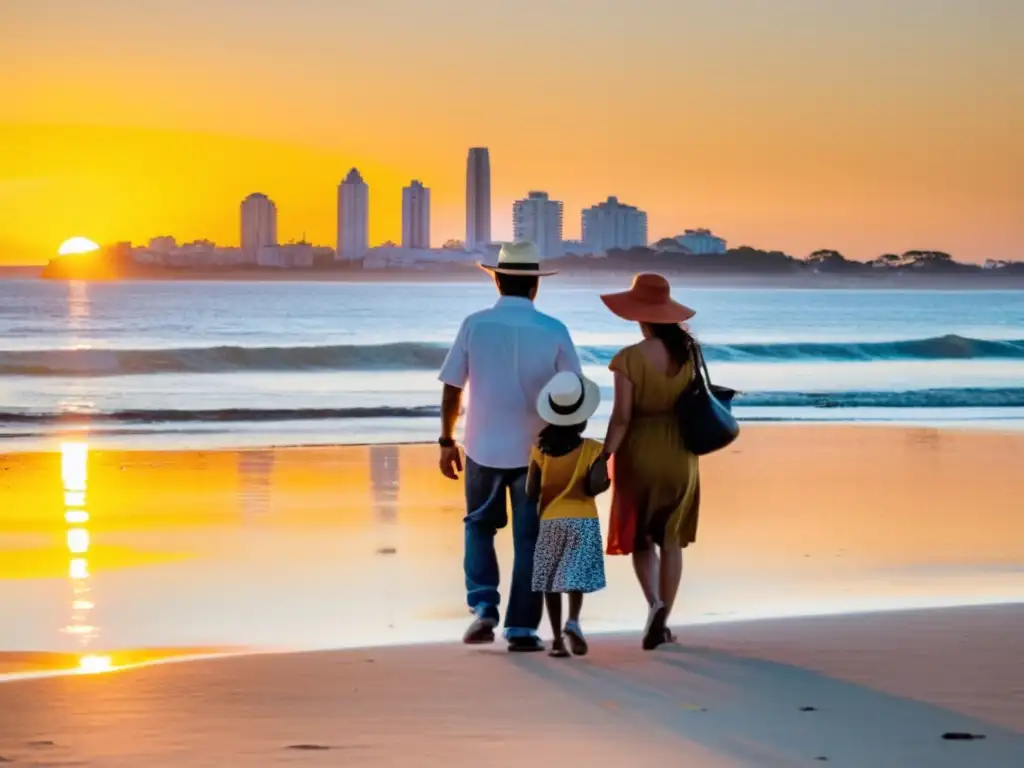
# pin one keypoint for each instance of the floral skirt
(569, 556)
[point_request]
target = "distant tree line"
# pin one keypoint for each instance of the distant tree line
(748, 260)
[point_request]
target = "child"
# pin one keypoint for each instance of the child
(566, 473)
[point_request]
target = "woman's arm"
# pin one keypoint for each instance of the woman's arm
(622, 414)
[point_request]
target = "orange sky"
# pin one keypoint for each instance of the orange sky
(862, 125)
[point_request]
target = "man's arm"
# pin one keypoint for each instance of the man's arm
(451, 402)
(454, 374)
(450, 461)
(568, 359)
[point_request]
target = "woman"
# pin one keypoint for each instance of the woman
(657, 491)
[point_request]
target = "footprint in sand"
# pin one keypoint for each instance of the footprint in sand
(959, 736)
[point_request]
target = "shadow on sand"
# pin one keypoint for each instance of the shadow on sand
(765, 713)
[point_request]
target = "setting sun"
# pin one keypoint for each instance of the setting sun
(77, 245)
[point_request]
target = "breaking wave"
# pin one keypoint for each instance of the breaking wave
(423, 356)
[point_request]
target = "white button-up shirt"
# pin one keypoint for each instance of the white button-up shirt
(506, 355)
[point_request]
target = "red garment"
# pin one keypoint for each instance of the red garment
(622, 522)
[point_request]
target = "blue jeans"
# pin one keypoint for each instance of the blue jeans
(486, 513)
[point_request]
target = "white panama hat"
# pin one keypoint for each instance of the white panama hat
(518, 258)
(568, 399)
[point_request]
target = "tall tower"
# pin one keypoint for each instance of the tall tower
(353, 218)
(259, 226)
(478, 198)
(416, 216)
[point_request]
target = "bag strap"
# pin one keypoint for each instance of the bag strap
(700, 366)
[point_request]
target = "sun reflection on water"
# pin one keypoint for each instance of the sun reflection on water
(74, 472)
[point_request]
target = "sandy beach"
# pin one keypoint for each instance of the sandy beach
(877, 690)
(359, 548)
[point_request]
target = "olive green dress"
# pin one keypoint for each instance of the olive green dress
(657, 487)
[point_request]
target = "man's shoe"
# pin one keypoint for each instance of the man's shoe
(480, 632)
(529, 644)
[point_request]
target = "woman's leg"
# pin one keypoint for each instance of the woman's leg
(671, 573)
(647, 569)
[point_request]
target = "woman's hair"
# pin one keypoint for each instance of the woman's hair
(677, 340)
(557, 440)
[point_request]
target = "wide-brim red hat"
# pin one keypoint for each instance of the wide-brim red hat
(649, 300)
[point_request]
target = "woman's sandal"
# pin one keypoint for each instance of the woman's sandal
(654, 635)
(558, 649)
(577, 642)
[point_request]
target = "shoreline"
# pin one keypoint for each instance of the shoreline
(123, 659)
(166, 441)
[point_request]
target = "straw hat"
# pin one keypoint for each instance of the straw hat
(568, 399)
(519, 258)
(648, 301)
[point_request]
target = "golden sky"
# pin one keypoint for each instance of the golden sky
(863, 125)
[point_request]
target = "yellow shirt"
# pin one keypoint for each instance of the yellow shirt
(562, 481)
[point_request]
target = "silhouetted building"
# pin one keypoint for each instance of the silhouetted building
(539, 220)
(478, 198)
(701, 241)
(259, 226)
(416, 216)
(353, 218)
(612, 224)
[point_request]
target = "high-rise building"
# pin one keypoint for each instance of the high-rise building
(612, 224)
(259, 226)
(416, 216)
(353, 218)
(478, 198)
(539, 220)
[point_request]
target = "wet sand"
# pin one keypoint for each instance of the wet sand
(112, 559)
(307, 548)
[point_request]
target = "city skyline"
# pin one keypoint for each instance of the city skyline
(861, 126)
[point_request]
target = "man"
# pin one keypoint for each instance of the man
(506, 354)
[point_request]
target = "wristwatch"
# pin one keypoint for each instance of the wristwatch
(446, 442)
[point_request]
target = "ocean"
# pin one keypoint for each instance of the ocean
(219, 364)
